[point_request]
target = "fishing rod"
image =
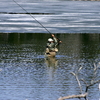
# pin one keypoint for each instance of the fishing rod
(35, 19)
(32, 16)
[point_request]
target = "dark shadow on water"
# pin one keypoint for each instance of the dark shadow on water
(27, 13)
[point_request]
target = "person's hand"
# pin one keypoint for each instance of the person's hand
(52, 35)
(60, 41)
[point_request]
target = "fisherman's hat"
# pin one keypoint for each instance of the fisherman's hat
(50, 39)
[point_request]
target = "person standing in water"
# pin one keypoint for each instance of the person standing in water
(51, 48)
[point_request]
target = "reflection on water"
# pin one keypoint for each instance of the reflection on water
(51, 62)
(58, 16)
(25, 74)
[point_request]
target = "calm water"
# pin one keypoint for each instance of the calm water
(56, 15)
(26, 75)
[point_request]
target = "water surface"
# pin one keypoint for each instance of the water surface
(57, 16)
(26, 75)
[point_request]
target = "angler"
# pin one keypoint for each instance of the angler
(51, 48)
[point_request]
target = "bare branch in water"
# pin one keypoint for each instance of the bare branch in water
(79, 83)
(74, 96)
(76, 76)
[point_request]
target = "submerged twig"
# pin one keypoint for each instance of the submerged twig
(93, 83)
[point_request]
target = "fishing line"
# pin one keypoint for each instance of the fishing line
(32, 16)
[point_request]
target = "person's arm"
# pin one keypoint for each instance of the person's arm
(54, 38)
